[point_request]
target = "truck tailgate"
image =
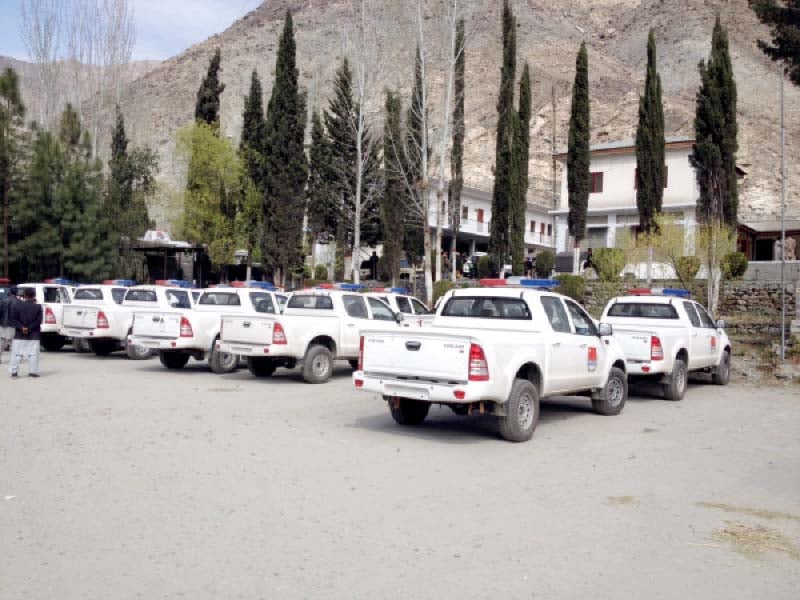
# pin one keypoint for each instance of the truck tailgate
(254, 330)
(417, 354)
(157, 324)
(80, 316)
(635, 342)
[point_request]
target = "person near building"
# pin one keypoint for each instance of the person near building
(26, 318)
(6, 329)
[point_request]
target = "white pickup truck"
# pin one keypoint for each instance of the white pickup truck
(316, 328)
(496, 350)
(665, 336)
(53, 297)
(415, 313)
(179, 334)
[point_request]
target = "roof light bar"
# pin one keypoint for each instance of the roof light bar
(175, 283)
(676, 292)
(125, 282)
(543, 284)
(58, 281)
(347, 287)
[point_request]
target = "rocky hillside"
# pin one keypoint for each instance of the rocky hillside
(548, 35)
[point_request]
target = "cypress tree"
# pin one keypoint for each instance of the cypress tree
(12, 112)
(499, 243)
(207, 106)
(251, 146)
(716, 130)
(650, 148)
(416, 142)
(457, 151)
(286, 165)
(578, 152)
(522, 137)
(323, 211)
(393, 206)
(783, 16)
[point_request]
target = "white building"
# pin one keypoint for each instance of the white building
(612, 201)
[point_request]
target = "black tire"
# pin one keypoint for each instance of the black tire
(260, 367)
(317, 365)
(722, 373)
(53, 342)
(612, 399)
(81, 345)
(676, 388)
(522, 412)
(354, 364)
(409, 412)
(222, 362)
(135, 352)
(103, 347)
(173, 360)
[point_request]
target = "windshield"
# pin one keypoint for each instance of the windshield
(643, 310)
(482, 307)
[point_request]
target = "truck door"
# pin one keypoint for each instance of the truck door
(356, 309)
(699, 342)
(562, 347)
(590, 365)
(712, 339)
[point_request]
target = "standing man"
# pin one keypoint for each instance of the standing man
(26, 318)
(6, 330)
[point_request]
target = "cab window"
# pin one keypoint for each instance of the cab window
(583, 322)
(281, 301)
(483, 307)
(178, 299)
(311, 301)
(554, 309)
(262, 302)
(65, 298)
(419, 307)
(51, 295)
(380, 312)
(141, 296)
(89, 294)
(692, 313)
(705, 319)
(355, 307)
(404, 305)
(219, 299)
(118, 294)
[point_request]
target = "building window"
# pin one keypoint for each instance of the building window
(480, 215)
(597, 183)
(549, 230)
(541, 228)
(533, 226)
(465, 212)
(636, 178)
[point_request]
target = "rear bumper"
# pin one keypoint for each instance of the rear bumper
(647, 369)
(186, 344)
(243, 349)
(438, 393)
(88, 334)
(50, 328)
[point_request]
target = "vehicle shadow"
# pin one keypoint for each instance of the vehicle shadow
(647, 392)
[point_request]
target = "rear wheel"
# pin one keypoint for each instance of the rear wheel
(103, 347)
(53, 342)
(318, 365)
(354, 363)
(173, 360)
(722, 374)
(260, 367)
(408, 412)
(522, 412)
(136, 352)
(615, 392)
(222, 362)
(676, 388)
(81, 345)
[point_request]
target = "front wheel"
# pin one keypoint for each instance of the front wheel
(676, 388)
(409, 412)
(260, 367)
(722, 374)
(615, 392)
(318, 365)
(222, 362)
(173, 360)
(522, 412)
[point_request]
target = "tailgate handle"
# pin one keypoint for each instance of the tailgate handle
(413, 346)
(246, 324)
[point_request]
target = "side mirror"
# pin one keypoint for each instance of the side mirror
(721, 324)
(605, 330)
(398, 317)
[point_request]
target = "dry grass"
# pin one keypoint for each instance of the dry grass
(753, 512)
(754, 541)
(621, 500)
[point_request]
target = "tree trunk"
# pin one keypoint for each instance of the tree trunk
(453, 273)
(576, 260)
(427, 262)
(440, 207)
(649, 264)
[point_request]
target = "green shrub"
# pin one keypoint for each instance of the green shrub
(734, 265)
(687, 268)
(441, 287)
(545, 261)
(484, 267)
(306, 271)
(573, 286)
(321, 272)
(608, 263)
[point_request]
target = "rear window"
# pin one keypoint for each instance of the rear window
(281, 301)
(310, 301)
(88, 294)
(262, 302)
(141, 296)
(487, 308)
(643, 310)
(219, 299)
(404, 305)
(178, 299)
(118, 294)
(51, 294)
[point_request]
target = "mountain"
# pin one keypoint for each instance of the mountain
(161, 101)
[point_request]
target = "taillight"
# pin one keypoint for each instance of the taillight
(278, 335)
(186, 328)
(102, 320)
(361, 354)
(478, 367)
(49, 317)
(656, 350)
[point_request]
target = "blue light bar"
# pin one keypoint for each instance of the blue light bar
(125, 282)
(349, 287)
(398, 290)
(679, 293)
(263, 285)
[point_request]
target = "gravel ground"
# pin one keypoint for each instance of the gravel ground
(121, 480)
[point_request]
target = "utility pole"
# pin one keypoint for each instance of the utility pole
(783, 227)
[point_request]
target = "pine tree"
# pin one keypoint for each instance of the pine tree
(457, 151)
(322, 210)
(12, 112)
(207, 106)
(251, 146)
(393, 203)
(522, 137)
(286, 165)
(499, 243)
(784, 18)
(716, 130)
(578, 151)
(417, 228)
(650, 148)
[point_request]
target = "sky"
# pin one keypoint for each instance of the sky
(164, 28)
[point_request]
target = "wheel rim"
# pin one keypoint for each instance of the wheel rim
(726, 365)
(525, 411)
(615, 391)
(227, 360)
(320, 366)
(680, 380)
(140, 350)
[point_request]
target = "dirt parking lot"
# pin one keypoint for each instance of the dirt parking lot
(121, 480)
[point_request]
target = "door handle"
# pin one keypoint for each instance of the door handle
(582, 346)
